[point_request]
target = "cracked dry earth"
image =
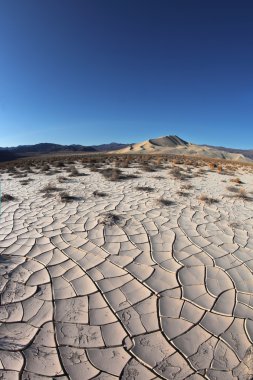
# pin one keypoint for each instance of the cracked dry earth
(159, 293)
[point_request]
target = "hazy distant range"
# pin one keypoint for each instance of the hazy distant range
(11, 153)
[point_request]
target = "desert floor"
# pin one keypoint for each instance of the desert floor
(122, 285)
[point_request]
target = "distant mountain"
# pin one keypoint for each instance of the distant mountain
(164, 145)
(109, 147)
(246, 152)
(49, 148)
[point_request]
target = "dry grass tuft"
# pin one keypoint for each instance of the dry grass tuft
(219, 169)
(242, 193)
(236, 180)
(208, 200)
(212, 166)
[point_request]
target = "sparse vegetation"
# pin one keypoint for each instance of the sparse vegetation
(101, 194)
(208, 200)
(74, 172)
(25, 182)
(187, 186)
(66, 197)
(236, 180)
(45, 168)
(149, 189)
(183, 193)
(165, 202)
(242, 193)
(212, 166)
(233, 189)
(7, 197)
(62, 179)
(49, 188)
(219, 169)
(110, 218)
(115, 174)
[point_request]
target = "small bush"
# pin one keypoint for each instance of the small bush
(242, 193)
(165, 202)
(236, 180)
(110, 219)
(66, 197)
(45, 168)
(183, 193)
(219, 168)
(232, 189)
(62, 179)
(187, 186)
(209, 200)
(112, 174)
(145, 188)
(101, 194)
(7, 198)
(212, 166)
(74, 172)
(49, 188)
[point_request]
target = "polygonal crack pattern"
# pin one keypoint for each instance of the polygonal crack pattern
(159, 293)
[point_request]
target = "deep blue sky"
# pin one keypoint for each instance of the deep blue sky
(96, 71)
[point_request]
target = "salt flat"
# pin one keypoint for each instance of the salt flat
(122, 285)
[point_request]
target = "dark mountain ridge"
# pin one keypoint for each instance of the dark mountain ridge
(46, 148)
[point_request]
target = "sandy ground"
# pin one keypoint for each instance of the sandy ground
(161, 292)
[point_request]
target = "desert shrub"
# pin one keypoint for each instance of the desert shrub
(212, 166)
(59, 164)
(7, 197)
(62, 179)
(233, 189)
(147, 168)
(66, 197)
(183, 193)
(187, 186)
(112, 174)
(145, 188)
(236, 180)
(219, 168)
(50, 187)
(45, 168)
(101, 194)
(209, 200)
(242, 193)
(110, 218)
(165, 202)
(176, 172)
(74, 172)
(25, 182)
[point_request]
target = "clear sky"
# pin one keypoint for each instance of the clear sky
(96, 71)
